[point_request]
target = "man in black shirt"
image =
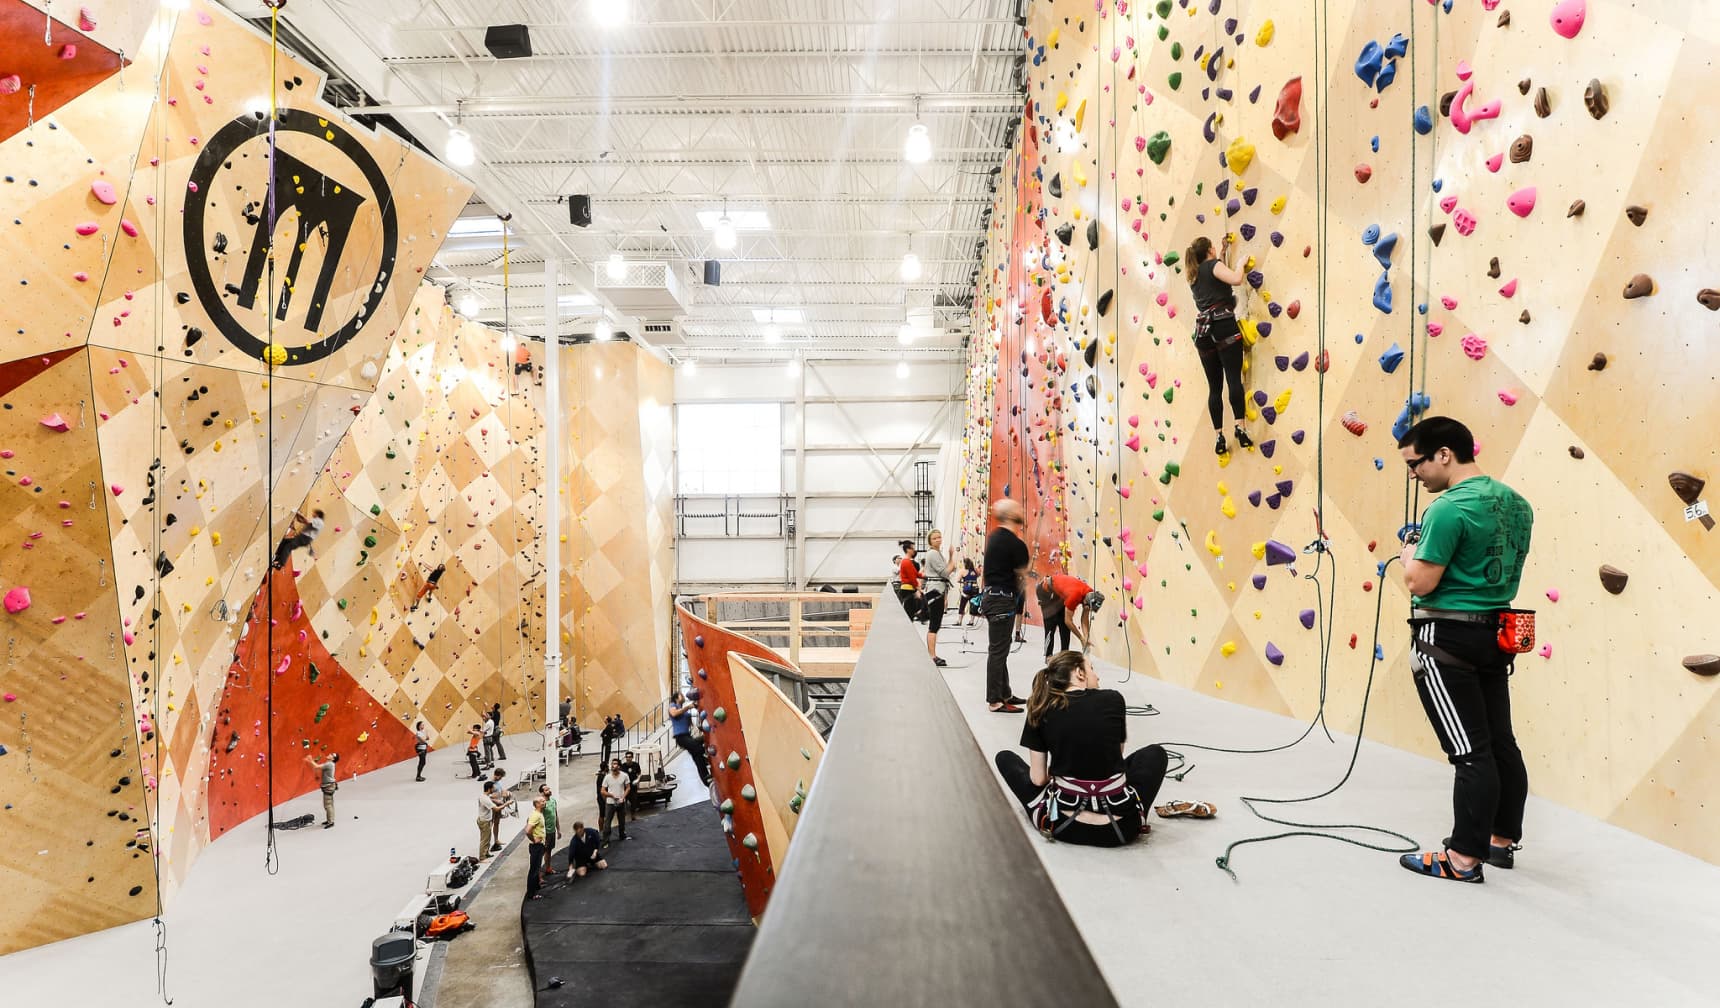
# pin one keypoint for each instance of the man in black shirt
(1006, 563)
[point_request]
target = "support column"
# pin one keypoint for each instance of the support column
(552, 512)
(798, 574)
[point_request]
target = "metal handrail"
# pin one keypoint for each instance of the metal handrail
(911, 880)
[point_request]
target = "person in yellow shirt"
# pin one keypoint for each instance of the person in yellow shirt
(535, 833)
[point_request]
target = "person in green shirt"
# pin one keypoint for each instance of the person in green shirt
(549, 829)
(1462, 569)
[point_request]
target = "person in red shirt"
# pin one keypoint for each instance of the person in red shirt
(1059, 595)
(909, 574)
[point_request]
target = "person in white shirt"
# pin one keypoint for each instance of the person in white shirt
(302, 532)
(421, 746)
(616, 788)
(489, 739)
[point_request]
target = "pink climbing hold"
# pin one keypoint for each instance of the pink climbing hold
(1495, 162)
(1568, 17)
(1522, 202)
(69, 51)
(1448, 203)
(117, 489)
(1448, 302)
(11, 84)
(1509, 289)
(88, 228)
(1463, 117)
(1464, 221)
(1464, 70)
(11, 698)
(1474, 347)
(86, 20)
(1508, 397)
(56, 422)
(1552, 594)
(103, 191)
(1134, 442)
(1546, 651)
(128, 227)
(1435, 328)
(1124, 491)
(17, 600)
(1135, 419)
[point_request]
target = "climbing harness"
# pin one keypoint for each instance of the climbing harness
(1057, 806)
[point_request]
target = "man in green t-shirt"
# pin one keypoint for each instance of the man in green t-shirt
(1461, 570)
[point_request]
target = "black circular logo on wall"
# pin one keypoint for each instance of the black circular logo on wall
(326, 207)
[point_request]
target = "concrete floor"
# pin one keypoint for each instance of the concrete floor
(1593, 915)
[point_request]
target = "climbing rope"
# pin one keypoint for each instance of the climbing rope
(271, 855)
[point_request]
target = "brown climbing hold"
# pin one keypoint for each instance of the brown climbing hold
(1576, 209)
(1599, 363)
(1595, 97)
(1493, 268)
(1523, 86)
(1543, 106)
(1640, 286)
(1524, 318)
(1436, 232)
(1576, 452)
(1687, 487)
(1709, 298)
(1703, 664)
(1613, 579)
(1522, 148)
(1504, 18)
(1636, 214)
(1445, 101)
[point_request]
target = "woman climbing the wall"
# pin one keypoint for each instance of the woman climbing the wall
(1217, 335)
(1080, 788)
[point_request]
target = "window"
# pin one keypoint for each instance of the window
(729, 448)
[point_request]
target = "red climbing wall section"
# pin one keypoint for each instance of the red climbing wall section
(37, 78)
(1027, 400)
(708, 649)
(319, 709)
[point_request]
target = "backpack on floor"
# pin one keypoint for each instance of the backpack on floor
(448, 925)
(462, 872)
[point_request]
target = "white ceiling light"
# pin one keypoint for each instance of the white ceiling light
(911, 267)
(459, 151)
(468, 305)
(610, 13)
(617, 267)
(772, 334)
(918, 149)
(905, 335)
(603, 332)
(901, 369)
(724, 233)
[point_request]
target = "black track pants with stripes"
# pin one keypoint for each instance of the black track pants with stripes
(1463, 680)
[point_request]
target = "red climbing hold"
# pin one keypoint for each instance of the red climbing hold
(1287, 119)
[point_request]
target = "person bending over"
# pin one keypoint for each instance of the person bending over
(585, 852)
(1217, 336)
(1080, 788)
(1060, 595)
(1463, 570)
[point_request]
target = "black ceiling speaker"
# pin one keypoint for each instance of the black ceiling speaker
(713, 273)
(579, 210)
(509, 41)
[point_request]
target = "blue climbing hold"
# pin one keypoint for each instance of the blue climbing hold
(1390, 360)
(1421, 309)
(1379, 463)
(1384, 248)
(1370, 234)
(1423, 121)
(1438, 184)
(1383, 294)
(1375, 143)
(1367, 64)
(1379, 570)
(1360, 339)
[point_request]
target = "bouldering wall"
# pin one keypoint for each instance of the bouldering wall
(136, 232)
(1459, 208)
(617, 513)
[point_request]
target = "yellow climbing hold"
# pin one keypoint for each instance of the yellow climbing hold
(1278, 205)
(1228, 508)
(1080, 176)
(1223, 489)
(1228, 648)
(1282, 403)
(373, 617)
(1259, 550)
(1212, 545)
(1080, 115)
(215, 538)
(1051, 40)
(364, 736)
(1263, 37)
(1239, 155)
(1062, 101)
(275, 354)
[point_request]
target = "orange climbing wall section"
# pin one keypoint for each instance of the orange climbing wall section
(320, 710)
(1515, 311)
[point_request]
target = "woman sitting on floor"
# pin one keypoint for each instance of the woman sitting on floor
(1080, 788)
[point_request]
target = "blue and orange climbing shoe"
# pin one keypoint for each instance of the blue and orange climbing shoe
(1435, 865)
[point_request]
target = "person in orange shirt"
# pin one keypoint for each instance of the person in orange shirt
(1059, 595)
(522, 359)
(472, 740)
(909, 589)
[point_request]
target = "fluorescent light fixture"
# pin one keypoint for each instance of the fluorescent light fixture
(604, 332)
(781, 316)
(724, 233)
(468, 305)
(918, 149)
(911, 267)
(743, 220)
(508, 344)
(905, 335)
(459, 152)
(617, 267)
(476, 227)
(609, 13)
(576, 301)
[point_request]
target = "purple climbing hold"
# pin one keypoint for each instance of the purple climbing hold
(1265, 329)
(699, 640)
(1259, 397)
(1259, 582)
(1250, 194)
(1221, 190)
(1256, 278)
(1284, 487)
(1269, 414)
(1254, 498)
(1300, 363)
(1273, 501)
(1283, 362)
(1274, 655)
(1254, 96)
(1232, 207)
(1274, 309)
(1307, 618)
(1277, 553)
(1247, 232)
(1297, 436)
(1277, 239)
(1268, 446)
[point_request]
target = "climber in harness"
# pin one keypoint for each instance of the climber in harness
(1080, 788)
(1217, 336)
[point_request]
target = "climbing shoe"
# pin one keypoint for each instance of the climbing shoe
(1242, 438)
(1434, 864)
(1497, 856)
(1221, 448)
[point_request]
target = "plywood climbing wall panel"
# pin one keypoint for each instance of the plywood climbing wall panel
(1465, 204)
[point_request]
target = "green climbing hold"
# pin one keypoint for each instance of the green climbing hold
(315, 674)
(1164, 32)
(322, 712)
(363, 557)
(1158, 514)
(1174, 468)
(1175, 80)
(727, 807)
(720, 715)
(370, 542)
(805, 753)
(376, 509)
(1172, 258)
(1199, 188)
(734, 760)
(1158, 146)
(749, 792)
(796, 803)
(1176, 50)
(1163, 8)
(342, 604)
(1170, 394)
(389, 453)
(750, 841)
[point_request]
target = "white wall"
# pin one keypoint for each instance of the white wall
(860, 422)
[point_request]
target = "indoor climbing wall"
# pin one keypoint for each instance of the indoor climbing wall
(617, 514)
(135, 226)
(1469, 208)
